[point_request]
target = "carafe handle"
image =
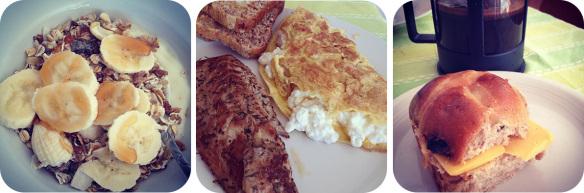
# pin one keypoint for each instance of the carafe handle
(411, 26)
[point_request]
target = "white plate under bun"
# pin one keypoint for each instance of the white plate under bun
(23, 19)
(553, 106)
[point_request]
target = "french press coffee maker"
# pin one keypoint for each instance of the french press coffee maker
(475, 34)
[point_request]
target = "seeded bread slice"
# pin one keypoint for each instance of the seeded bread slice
(250, 43)
(237, 129)
(238, 15)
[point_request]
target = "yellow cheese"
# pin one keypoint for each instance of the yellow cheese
(537, 140)
(455, 169)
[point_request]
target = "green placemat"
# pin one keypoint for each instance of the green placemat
(554, 50)
(361, 13)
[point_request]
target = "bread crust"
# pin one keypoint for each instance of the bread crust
(250, 43)
(462, 114)
(240, 16)
(237, 129)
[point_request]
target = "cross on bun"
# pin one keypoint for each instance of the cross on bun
(460, 115)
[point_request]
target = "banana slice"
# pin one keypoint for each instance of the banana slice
(126, 54)
(134, 138)
(114, 99)
(15, 98)
(98, 31)
(144, 104)
(66, 107)
(108, 172)
(50, 147)
(68, 66)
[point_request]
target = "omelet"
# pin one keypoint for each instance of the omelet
(323, 85)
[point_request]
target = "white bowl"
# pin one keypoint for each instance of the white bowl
(167, 20)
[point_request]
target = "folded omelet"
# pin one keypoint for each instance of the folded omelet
(323, 85)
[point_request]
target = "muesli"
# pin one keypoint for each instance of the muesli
(93, 103)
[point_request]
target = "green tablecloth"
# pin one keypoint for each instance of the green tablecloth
(360, 13)
(553, 50)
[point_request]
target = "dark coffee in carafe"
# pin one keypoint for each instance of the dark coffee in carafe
(503, 25)
(474, 34)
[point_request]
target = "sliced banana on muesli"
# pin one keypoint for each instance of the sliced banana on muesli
(144, 104)
(68, 66)
(107, 171)
(66, 107)
(51, 147)
(16, 98)
(115, 98)
(134, 138)
(127, 54)
(98, 31)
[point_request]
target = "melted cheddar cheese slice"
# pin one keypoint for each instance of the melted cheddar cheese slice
(536, 141)
(455, 169)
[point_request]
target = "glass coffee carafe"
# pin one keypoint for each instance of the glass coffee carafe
(475, 34)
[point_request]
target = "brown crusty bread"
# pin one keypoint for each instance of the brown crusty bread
(237, 129)
(240, 16)
(460, 115)
(250, 43)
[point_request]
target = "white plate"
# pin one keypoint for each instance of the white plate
(551, 105)
(24, 19)
(318, 167)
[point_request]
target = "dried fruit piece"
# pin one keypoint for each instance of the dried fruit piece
(85, 47)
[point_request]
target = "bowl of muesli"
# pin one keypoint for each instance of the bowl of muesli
(95, 96)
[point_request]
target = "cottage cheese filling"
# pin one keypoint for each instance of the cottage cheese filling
(359, 128)
(310, 116)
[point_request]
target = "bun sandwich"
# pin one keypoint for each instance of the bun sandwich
(473, 130)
